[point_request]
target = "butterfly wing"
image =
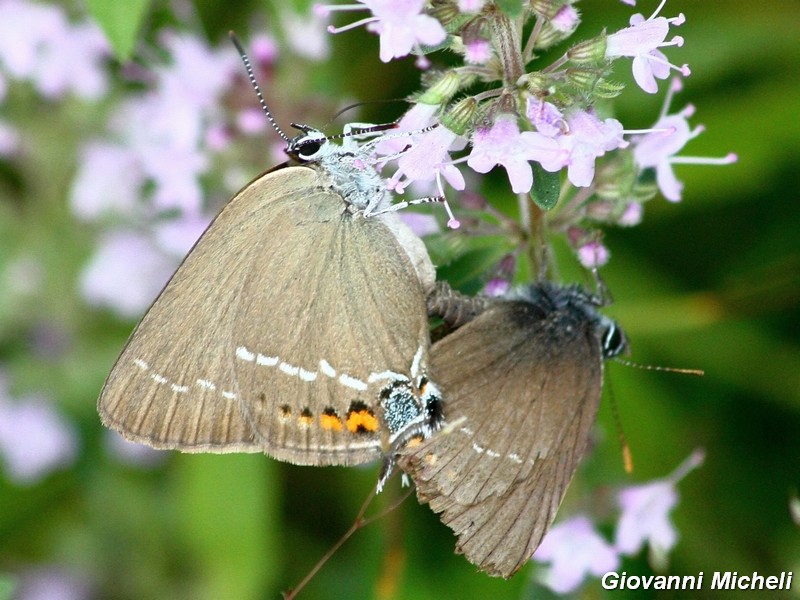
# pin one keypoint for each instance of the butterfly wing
(522, 386)
(172, 385)
(182, 381)
(346, 310)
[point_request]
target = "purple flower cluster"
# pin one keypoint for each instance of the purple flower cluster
(142, 180)
(548, 117)
(39, 45)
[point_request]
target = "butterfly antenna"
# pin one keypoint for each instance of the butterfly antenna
(366, 103)
(362, 130)
(252, 77)
(627, 363)
(627, 456)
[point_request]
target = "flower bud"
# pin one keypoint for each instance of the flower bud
(584, 78)
(459, 118)
(590, 52)
(442, 90)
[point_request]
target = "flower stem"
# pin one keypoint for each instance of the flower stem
(535, 230)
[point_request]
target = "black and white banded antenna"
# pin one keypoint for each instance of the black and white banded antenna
(252, 77)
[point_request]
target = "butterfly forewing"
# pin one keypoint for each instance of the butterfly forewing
(273, 333)
(311, 368)
(500, 534)
(173, 385)
(522, 383)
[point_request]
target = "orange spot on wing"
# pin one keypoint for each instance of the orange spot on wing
(361, 420)
(330, 422)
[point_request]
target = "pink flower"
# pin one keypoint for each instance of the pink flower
(34, 438)
(566, 19)
(547, 119)
(646, 508)
(429, 158)
(470, 6)
(164, 132)
(399, 23)
(500, 283)
(196, 73)
(420, 224)
(74, 63)
(586, 139)
(177, 236)
(581, 135)
(51, 583)
(496, 287)
(505, 145)
(306, 35)
(9, 139)
(477, 51)
(251, 121)
(401, 27)
(645, 517)
(417, 118)
(25, 28)
(658, 148)
(109, 179)
(593, 255)
(128, 269)
(641, 41)
(264, 49)
(632, 215)
(574, 549)
(218, 136)
(167, 126)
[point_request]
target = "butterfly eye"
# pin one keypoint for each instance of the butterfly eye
(613, 340)
(308, 149)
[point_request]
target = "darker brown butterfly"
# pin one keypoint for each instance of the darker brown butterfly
(522, 382)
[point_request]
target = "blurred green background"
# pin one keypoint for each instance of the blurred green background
(710, 283)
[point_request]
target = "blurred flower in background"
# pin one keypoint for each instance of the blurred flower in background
(34, 438)
(51, 583)
(39, 44)
(574, 549)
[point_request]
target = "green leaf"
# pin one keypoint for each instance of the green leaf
(120, 22)
(546, 187)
